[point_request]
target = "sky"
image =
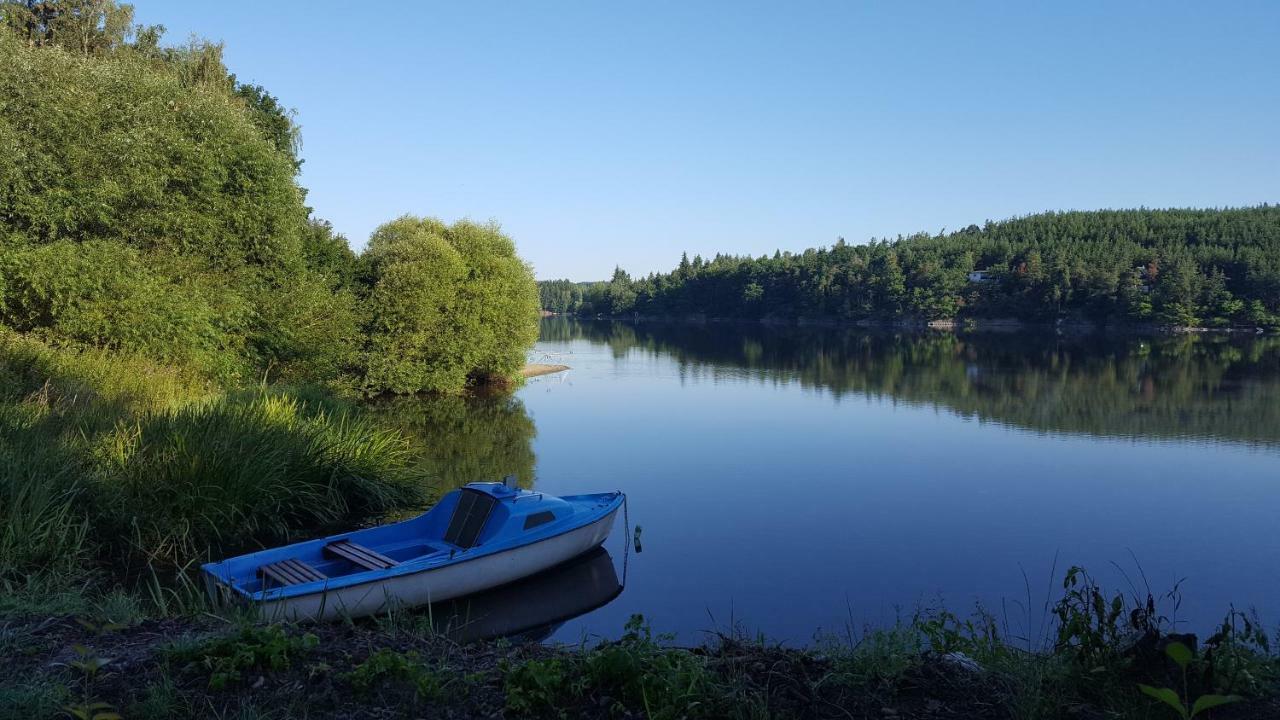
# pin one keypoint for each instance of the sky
(602, 133)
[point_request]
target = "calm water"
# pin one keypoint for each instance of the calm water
(792, 480)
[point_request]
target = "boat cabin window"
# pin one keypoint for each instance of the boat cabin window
(538, 518)
(469, 518)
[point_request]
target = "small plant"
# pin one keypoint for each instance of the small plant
(1182, 656)
(229, 657)
(947, 633)
(385, 665)
(1238, 656)
(1094, 629)
(645, 675)
(159, 699)
(540, 688)
(89, 665)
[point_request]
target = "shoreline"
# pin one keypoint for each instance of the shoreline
(994, 325)
(932, 666)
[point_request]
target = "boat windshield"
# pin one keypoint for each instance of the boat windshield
(469, 517)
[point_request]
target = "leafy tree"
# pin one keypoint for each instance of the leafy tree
(561, 296)
(621, 295)
(87, 27)
(129, 153)
(273, 120)
(449, 306)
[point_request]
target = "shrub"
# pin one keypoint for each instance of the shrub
(448, 306)
(129, 150)
(105, 294)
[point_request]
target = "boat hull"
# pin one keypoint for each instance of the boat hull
(439, 584)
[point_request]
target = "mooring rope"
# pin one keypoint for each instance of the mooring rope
(626, 548)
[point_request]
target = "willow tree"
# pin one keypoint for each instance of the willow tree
(449, 306)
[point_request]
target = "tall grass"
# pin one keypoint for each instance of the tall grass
(113, 468)
(243, 470)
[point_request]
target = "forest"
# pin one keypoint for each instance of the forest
(1192, 268)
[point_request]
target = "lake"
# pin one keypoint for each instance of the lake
(794, 480)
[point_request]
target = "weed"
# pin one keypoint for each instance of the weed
(637, 672)
(1186, 708)
(388, 665)
(1097, 632)
(1239, 658)
(89, 665)
(159, 700)
(877, 661)
(644, 675)
(118, 608)
(540, 688)
(227, 658)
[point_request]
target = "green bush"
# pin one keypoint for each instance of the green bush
(104, 294)
(312, 336)
(448, 306)
(124, 149)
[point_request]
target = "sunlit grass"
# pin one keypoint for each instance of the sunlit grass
(113, 468)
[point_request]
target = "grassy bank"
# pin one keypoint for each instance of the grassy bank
(933, 665)
(119, 473)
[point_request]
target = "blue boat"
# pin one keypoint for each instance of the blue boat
(478, 537)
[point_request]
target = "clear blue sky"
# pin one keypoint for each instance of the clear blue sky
(603, 133)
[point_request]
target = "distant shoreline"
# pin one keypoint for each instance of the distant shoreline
(1080, 327)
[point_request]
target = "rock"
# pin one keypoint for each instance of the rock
(961, 661)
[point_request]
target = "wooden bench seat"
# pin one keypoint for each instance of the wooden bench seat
(360, 555)
(291, 572)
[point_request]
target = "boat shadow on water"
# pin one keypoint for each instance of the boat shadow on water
(532, 609)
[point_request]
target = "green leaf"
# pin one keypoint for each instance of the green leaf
(1166, 696)
(1180, 653)
(1204, 702)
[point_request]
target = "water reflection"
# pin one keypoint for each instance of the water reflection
(534, 608)
(1214, 387)
(467, 439)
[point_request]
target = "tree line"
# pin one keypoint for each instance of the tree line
(149, 203)
(1183, 267)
